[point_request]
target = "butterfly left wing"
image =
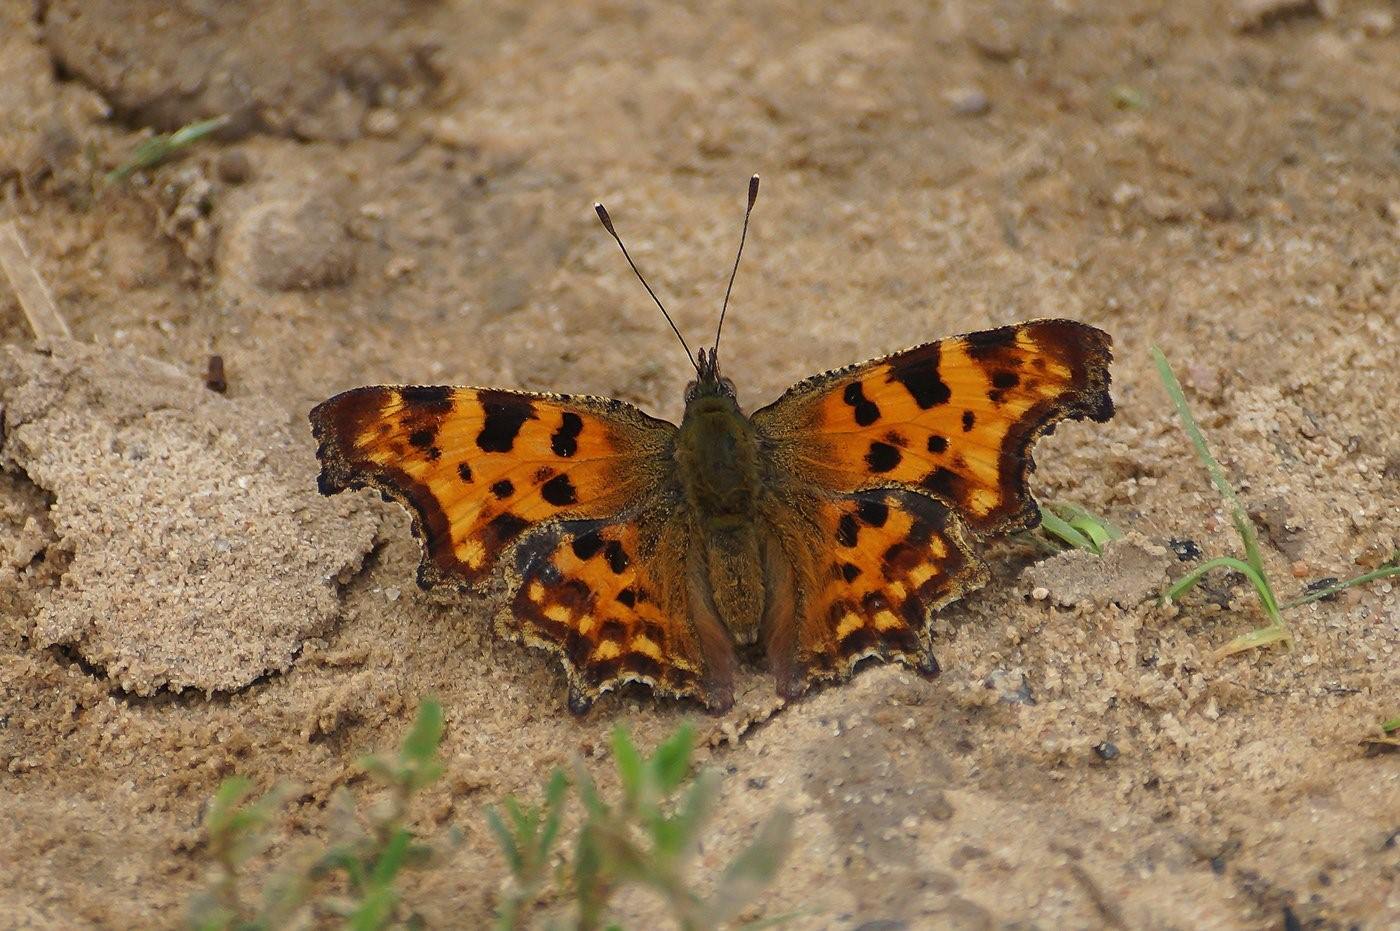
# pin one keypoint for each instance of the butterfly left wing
(551, 496)
(867, 570)
(930, 441)
(954, 419)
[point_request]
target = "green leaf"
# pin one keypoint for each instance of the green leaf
(629, 767)
(1392, 725)
(393, 858)
(671, 762)
(374, 910)
(422, 741)
(506, 840)
(223, 808)
(554, 814)
(754, 868)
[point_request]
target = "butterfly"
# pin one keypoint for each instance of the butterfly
(825, 528)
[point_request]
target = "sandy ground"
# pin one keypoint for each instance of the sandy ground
(404, 195)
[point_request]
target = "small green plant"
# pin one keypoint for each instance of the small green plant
(164, 146)
(367, 855)
(1069, 526)
(1252, 565)
(370, 853)
(647, 838)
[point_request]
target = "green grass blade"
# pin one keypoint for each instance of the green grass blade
(1384, 572)
(1057, 527)
(1392, 725)
(159, 148)
(671, 761)
(506, 839)
(1189, 580)
(629, 767)
(392, 859)
(422, 741)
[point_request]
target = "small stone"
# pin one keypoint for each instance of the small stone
(400, 266)
(1377, 24)
(1107, 750)
(290, 245)
(1300, 569)
(1186, 549)
(234, 167)
(1040, 593)
(969, 101)
(381, 122)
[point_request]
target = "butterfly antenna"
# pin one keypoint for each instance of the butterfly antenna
(607, 225)
(753, 196)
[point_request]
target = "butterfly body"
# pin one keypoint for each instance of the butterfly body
(825, 528)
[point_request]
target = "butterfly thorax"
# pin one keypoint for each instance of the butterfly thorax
(717, 462)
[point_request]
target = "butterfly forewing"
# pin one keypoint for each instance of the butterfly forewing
(954, 419)
(479, 467)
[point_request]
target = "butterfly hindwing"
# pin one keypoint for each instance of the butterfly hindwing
(606, 597)
(878, 565)
(954, 419)
(479, 467)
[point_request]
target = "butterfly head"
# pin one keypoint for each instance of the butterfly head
(708, 381)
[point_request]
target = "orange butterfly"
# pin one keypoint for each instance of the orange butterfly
(827, 527)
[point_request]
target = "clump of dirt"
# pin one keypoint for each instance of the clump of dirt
(405, 196)
(168, 507)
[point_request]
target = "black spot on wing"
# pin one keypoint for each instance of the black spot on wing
(434, 399)
(503, 528)
(564, 440)
(882, 457)
(422, 438)
(464, 472)
(874, 513)
(617, 557)
(849, 571)
(587, 545)
(937, 444)
(989, 343)
(559, 491)
(1005, 380)
(505, 415)
(866, 411)
(919, 377)
(503, 489)
(944, 483)
(627, 597)
(968, 419)
(847, 530)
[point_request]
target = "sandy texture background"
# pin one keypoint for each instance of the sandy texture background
(404, 195)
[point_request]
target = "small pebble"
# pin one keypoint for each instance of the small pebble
(1185, 549)
(1040, 593)
(1300, 569)
(969, 101)
(381, 122)
(233, 167)
(1107, 750)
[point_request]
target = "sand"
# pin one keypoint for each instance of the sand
(405, 195)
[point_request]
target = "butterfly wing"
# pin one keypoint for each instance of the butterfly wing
(954, 419)
(868, 572)
(510, 488)
(901, 454)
